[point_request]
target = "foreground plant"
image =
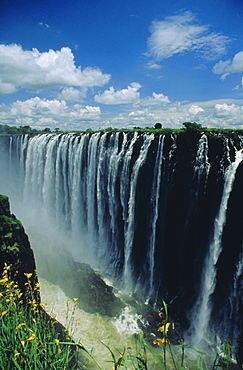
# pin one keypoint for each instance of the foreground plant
(28, 339)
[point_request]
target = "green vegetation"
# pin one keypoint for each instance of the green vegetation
(32, 340)
(28, 337)
(21, 130)
(191, 127)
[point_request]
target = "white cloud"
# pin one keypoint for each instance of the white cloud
(181, 33)
(39, 113)
(71, 94)
(44, 24)
(32, 69)
(153, 65)
(37, 106)
(229, 66)
(124, 96)
(154, 100)
(226, 110)
(195, 109)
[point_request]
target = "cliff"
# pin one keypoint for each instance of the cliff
(15, 248)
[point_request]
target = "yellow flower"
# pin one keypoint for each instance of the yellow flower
(165, 328)
(6, 267)
(33, 336)
(68, 302)
(160, 342)
(28, 275)
(57, 341)
(75, 299)
(22, 343)
(19, 326)
(16, 355)
(4, 312)
(59, 351)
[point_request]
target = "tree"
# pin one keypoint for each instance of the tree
(47, 129)
(158, 125)
(192, 126)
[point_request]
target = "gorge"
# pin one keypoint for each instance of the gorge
(159, 213)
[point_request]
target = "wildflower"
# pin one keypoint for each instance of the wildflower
(75, 299)
(19, 326)
(37, 286)
(33, 336)
(22, 343)
(28, 275)
(57, 341)
(4, 312)
(165, 328)
(54, 316)
(16, 355)
(59, 351)
(68, 302)
(6, 267)
(160, 342)
(4, 280)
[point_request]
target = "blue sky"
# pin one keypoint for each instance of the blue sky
(82, 64)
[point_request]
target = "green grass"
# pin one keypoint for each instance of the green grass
(29, 340)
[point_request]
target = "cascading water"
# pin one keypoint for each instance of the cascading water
(141, 207)
(202, 310)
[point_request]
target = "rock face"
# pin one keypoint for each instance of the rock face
(15, 248)
(78, 280)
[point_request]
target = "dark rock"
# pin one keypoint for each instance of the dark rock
(78, 280)
(15, 249)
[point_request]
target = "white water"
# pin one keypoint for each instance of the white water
(202, 165)
(91, 330)
(129, 229)
(200, 320)
(79, 186)
(155, 210)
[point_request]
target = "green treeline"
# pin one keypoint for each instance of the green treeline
(191, 127)
(10, 130)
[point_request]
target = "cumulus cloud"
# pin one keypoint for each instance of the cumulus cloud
(154, 100)
(195, 109)
(229, 66)
(181, 33)
(72, 94)
(38, 112)
(32, 69)
(228, 110)
(124, 96)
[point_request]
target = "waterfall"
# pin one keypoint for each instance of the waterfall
(145, 208)
(129, 231)
(202, 310)
(202, 165)
(155, 210)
